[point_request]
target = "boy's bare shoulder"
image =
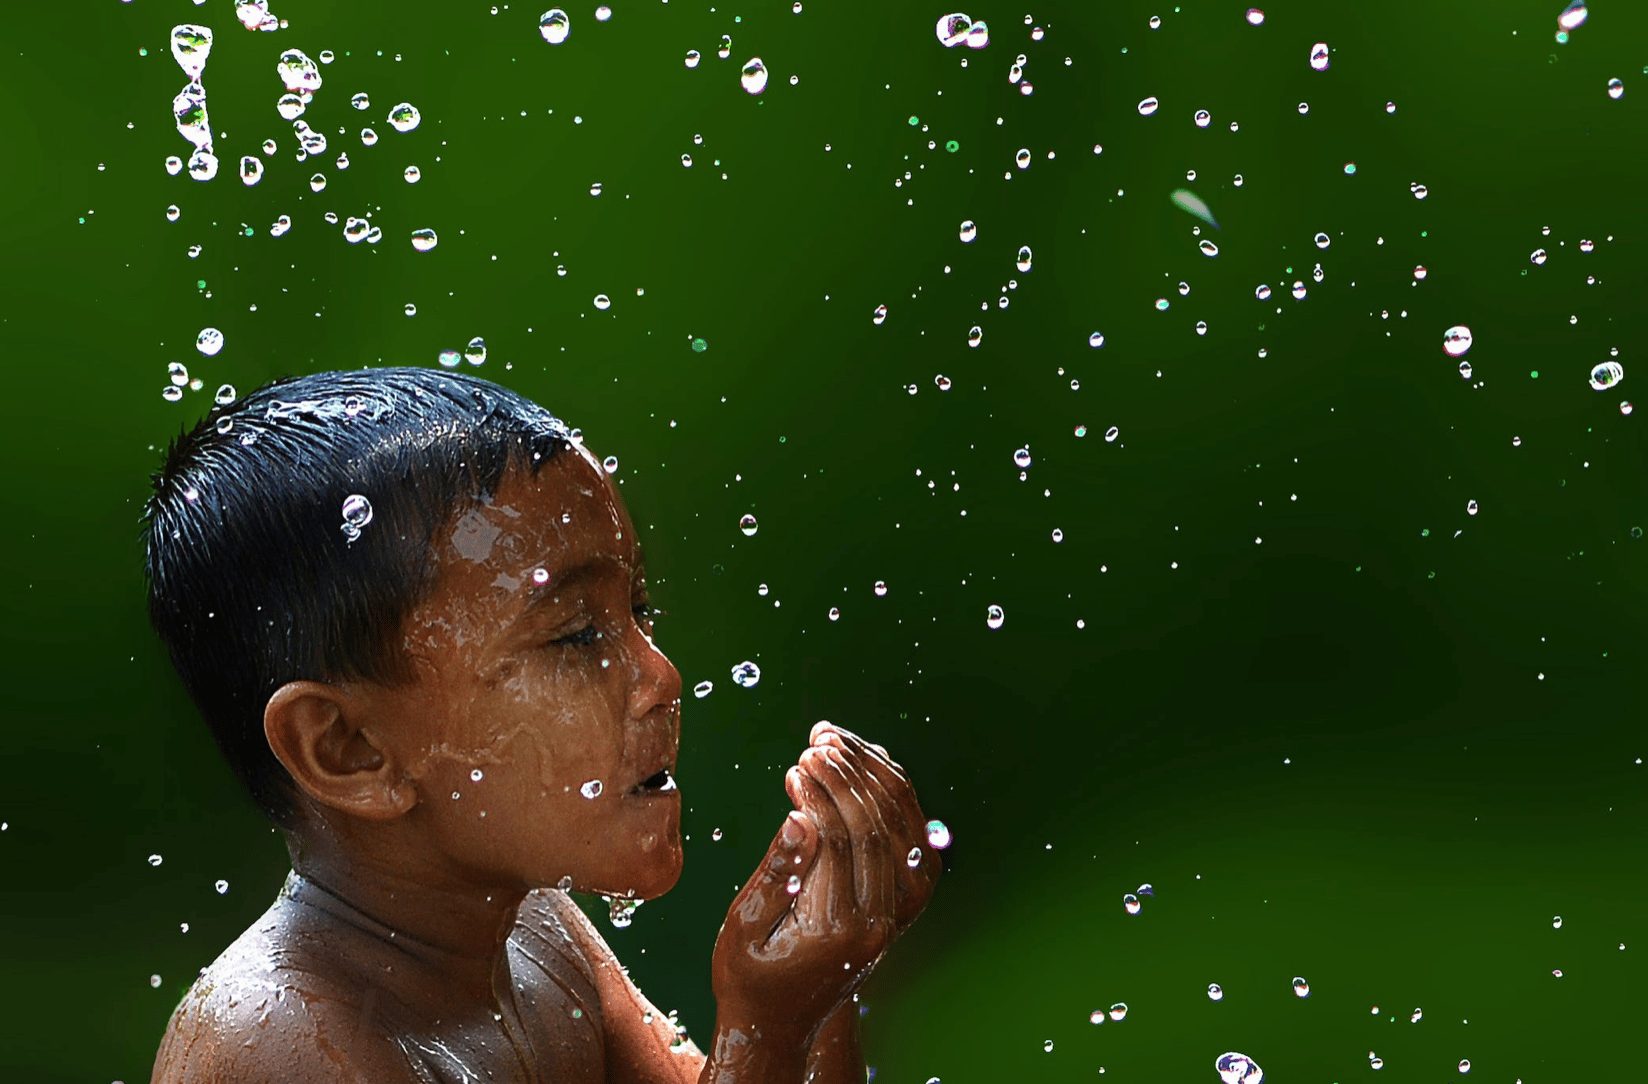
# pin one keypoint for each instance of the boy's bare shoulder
(258, 1014)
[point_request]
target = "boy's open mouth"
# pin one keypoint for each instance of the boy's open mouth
(660, 782)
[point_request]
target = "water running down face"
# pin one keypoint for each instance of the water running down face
(544, 716)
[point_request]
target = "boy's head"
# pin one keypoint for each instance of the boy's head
(410, 606)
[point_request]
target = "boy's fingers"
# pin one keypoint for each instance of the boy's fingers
(852, 740)
(872, 850)
(904, 816)
(829, 891)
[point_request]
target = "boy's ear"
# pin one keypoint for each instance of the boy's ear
(314, 730)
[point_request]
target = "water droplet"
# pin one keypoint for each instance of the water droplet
(1616, 89)
(298, 73)
(203, 165)
(1118, 1010)
(880, 588)
(938, 836)
(1319, 56)
(209, 341)
(1235, 1068)
(1464, 1065)
(746, 674)
(1573, 16)
(793, 886)
(404, 117)
(610, 464)
(975, 335)
(953, 29)
(1148, 106)
(702, 689)
(1215, 992)
(1023, 262)
(591, 789)
(357, 513)
(969, 230)
(191, 45)
(1111, 434)
(1255, 16)
(1606, 375)
(603, 302)
(423, 240)
(994, 616)
(1130, 903)
(1189, 202)
(155, 860)
(748, 525)
(1301, 988)
(1048, 1046)
(1203, 118)
(222, 887)
(554, 26)
(1208, 248)
(754, 76)
(1456, 340)
(716, 835)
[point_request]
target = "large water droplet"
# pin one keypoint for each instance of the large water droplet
(1456, 340)
(1573, 15)
(404, 117)
(952, 29)
(191, 45)
(1148, 106)
(357, 513)
(297, 72)
(748, 525)
(1190, 202)
(554, 26)
(1234, 1068)
(209, 341)
(994, 616)
(591, 789)
(938, 835)
(1301, 988)
(754, 76)
(423, 240)
(746, 675)
(1606, 375)
(1319, 56)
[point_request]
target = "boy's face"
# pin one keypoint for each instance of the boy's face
(542, 700)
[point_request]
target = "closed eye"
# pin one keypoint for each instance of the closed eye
(589, 634)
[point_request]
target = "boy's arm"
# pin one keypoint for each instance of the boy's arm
(640, 1040)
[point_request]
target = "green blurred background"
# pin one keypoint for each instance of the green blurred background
(1379, 749)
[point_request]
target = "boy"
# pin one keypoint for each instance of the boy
(413, 611)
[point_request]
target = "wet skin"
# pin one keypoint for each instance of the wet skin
(421, 927)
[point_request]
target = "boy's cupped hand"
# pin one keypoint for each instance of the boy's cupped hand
(790, 952)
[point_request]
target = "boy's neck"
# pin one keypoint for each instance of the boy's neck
(457, 931)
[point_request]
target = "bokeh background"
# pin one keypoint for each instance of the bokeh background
(1346, 729)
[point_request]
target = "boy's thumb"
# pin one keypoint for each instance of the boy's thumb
(766, 896)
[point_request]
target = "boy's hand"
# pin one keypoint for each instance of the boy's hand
(786, 959)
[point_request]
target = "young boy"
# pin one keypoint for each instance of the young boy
(413, 611)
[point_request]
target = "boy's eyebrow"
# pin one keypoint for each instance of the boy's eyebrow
(543, 594)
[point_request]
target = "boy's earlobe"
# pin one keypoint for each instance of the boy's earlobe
(310, 730)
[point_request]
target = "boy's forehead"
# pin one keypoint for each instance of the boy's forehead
(568, 511)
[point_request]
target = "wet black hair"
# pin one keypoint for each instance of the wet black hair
(264, 566)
